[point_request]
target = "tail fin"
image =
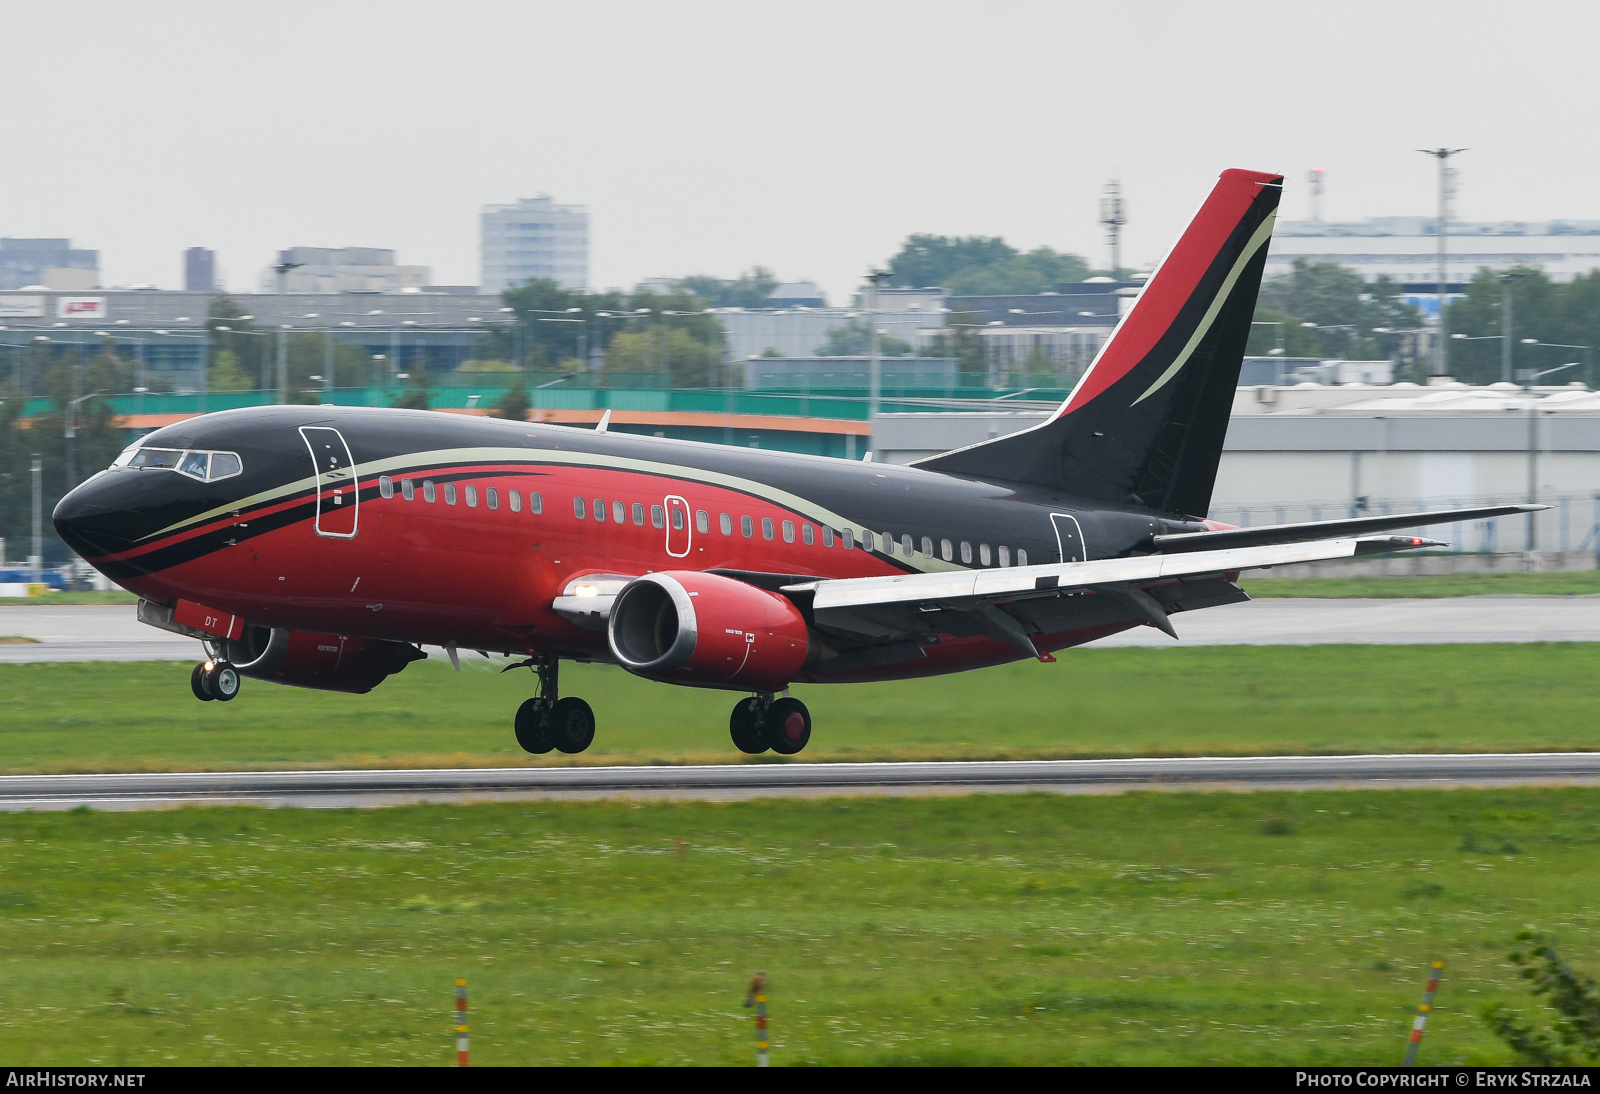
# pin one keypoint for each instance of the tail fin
(1145, 424)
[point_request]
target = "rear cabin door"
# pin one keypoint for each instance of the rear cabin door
(679, 529)
(337, 496)
(1069, 537)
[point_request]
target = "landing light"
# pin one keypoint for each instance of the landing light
(210, 665)
(586, 590)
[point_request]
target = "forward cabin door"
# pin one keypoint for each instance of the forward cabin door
(337, 496)
(1069, 537)
(679, 529)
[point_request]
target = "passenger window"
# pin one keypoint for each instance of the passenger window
(638, 514)
(449, 493)
(1005, 556)
(927, 547)
(535, 503)
(578, 509)
(677, 520)
(491, 497)
(726, 523)
(428, 492)
(848, 538)
(788, 531)
(408, 490)
(599, 510)
(966, 552)
(946, 551)
(888, 543)
(983, 554)
(907, 545)
(747, 526)
(223, 465)
(472, 497)
(1022, 557)
(385, 486)
(619, 512)
(868, 541)
(766, 527)
(702, 521)
(658, 516)
(827, 536)
(808, 534)
(515, 500)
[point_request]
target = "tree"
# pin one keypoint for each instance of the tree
(854, 339)
(227, 374)
(749, 290)
(513, 405)
(1329, 311)
(981, 266)
(963, 340)
(1572, 1036)
(689, 361)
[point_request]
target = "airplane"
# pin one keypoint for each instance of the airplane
(323, 546)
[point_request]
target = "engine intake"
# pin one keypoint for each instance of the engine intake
(704, 629)
(327, 662)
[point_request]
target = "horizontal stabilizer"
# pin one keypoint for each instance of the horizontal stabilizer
(1327, 529)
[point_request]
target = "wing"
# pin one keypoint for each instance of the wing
(1327, 529)
(875, 620)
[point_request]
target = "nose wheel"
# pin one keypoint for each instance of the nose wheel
(217, 680)
(762, 722)
(547, 722)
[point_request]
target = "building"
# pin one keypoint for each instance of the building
(47, 264)
(534, 237)
(920, 374)
(1406, 249)
(199, 270)
(344, 269)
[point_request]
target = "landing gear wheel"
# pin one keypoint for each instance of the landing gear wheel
(533, 728)
(197, 684)
(787, 726)
(571, 725)
(744, 727)
(222, 681)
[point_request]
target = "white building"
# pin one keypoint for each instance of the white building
(534, 237)
(344, 269)
(1406, 249)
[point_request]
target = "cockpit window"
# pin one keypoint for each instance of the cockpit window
(205, 466)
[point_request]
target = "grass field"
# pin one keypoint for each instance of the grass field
(1580, 583)
(1216, 700)
(88, 596)
(1143, 928)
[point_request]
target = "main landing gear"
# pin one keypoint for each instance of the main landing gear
(762, 722)
(213, 679)
(547, 721)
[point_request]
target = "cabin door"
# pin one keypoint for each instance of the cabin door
(679, 530)
(1069, 537)
(335, 472)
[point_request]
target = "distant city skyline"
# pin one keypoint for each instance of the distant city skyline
(393, 125)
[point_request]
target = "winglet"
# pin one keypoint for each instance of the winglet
(605, 420)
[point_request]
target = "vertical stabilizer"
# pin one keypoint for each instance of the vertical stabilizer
(1146, 423)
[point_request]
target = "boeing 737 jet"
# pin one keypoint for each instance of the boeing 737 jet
(323, 546)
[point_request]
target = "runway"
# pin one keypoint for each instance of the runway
(367, 789)
(111, 633)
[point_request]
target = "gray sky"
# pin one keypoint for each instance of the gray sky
(810, 137)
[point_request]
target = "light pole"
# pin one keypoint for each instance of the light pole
(1277, 352)
(1475, 337)
(1588, 356)
(875, 281)
(1443, 156)
(1505, 280)
(1529, 377)
(71, 433)
(37, 558)
(282, 269)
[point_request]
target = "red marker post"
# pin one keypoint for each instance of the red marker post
(1422, 1014)
(757, 997)
(461, 1023)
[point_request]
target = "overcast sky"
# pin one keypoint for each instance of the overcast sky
(811, 137)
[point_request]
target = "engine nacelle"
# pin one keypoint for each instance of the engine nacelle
(327, 662)
(686, 627)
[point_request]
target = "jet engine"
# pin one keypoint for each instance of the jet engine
(327, 662)
(686, 627)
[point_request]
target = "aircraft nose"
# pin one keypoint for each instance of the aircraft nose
(92, 518)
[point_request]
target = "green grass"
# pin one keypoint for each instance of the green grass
(88, 596)
(1216, 700)
(1578, 583)
(1267, 928)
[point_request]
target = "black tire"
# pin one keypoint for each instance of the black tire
(787, 726)
(572, 725)
(197, 684)
(533, 729)
(223, 682)
(747, 736)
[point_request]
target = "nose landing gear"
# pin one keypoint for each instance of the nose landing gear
(548, 722)
(762, 722)
(214, 680)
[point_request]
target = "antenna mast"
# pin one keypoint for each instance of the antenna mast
(1111, 215)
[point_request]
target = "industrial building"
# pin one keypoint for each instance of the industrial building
(344, 270)
(1406, 249)
(47, 264)
(534, 238)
